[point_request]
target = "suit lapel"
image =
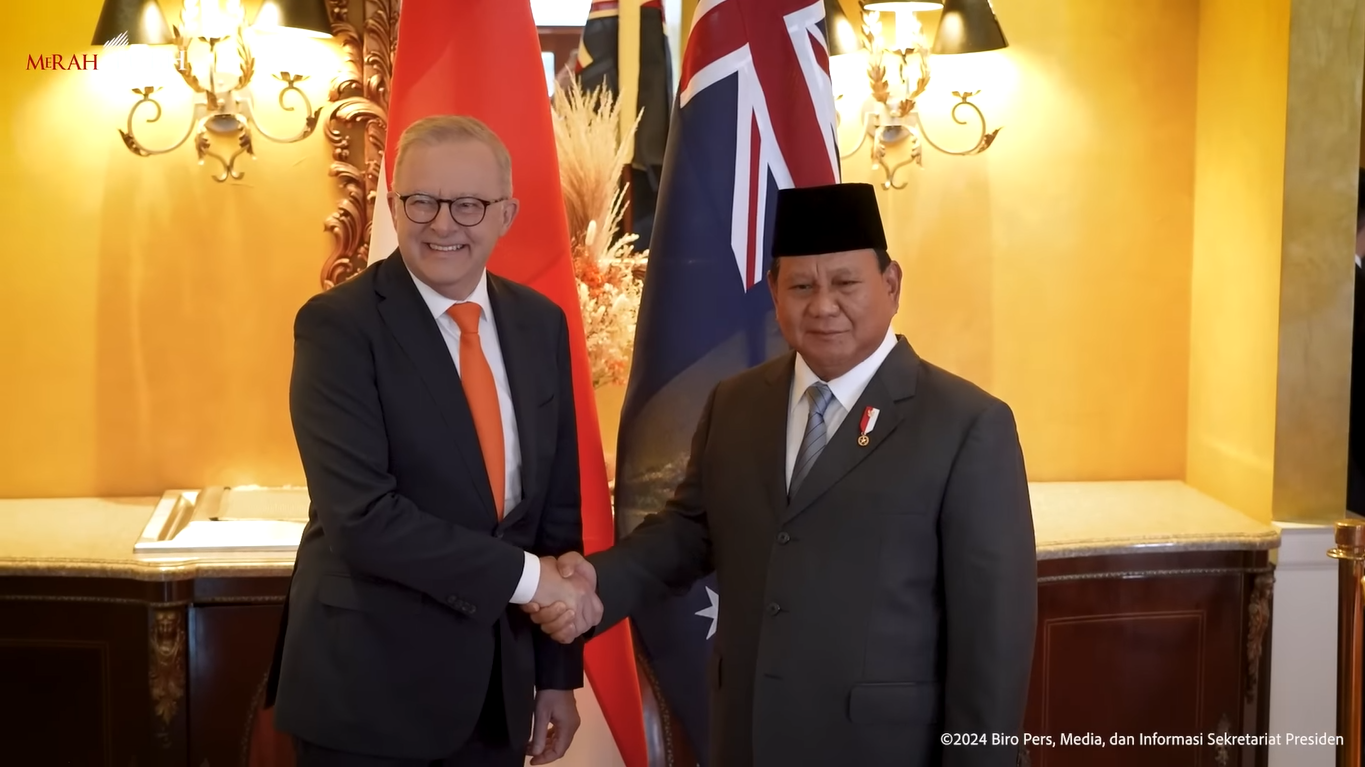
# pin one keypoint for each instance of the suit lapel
(893, 382)
(410, 321)
(518, 351)
(770, 429)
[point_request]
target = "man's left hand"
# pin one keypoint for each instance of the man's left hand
(555, 724)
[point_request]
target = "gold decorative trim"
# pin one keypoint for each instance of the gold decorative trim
(1258, 620)
(1221, 757)
(661, 705)
(207, 568)
(167, 668)
(90, 600)
(1130, 574)
(256, 709)
(1152, 544)
(149, 571)
(360, 99)
(243, 600)
(247, 600)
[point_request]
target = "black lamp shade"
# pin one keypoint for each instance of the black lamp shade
(901, 6)
(306, 16)
(842, 35)
(968, 26)
(141, 19)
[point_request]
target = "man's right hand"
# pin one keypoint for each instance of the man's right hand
(566, 605)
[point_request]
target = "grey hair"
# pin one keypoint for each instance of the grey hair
(442, 129)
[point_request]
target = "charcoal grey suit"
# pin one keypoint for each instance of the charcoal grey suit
(893, 598)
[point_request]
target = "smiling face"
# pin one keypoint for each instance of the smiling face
(835, 309)
(447, 255)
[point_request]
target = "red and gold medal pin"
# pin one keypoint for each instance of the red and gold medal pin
(869, 421)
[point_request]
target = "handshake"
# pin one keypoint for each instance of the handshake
(565, 604)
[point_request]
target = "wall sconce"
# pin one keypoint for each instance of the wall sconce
(131, 22)
(223, 101)
(890, 118)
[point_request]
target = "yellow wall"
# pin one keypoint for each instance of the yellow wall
(146, 309)
(1112, 267)
(1152, 263)
(1272, 281)
(1239, 199)
(1053, 269)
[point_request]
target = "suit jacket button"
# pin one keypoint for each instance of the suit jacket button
(783, 537)
(453, 601)
(774, 608)
(497, 534)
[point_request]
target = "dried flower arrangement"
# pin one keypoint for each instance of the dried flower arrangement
(608, 270)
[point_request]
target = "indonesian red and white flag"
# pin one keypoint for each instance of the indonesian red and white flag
(482, 58)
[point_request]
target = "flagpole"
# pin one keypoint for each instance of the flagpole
(627, 206)
(628, 67)
(628, 86)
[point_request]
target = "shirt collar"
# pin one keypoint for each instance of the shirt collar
(439, 304)
(848, 387)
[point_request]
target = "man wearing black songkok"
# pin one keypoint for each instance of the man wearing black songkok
(868, 518)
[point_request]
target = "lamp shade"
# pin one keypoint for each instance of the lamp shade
(308, 17)
(903, 5)
(968, 26)
(142, 20)
(843, 37)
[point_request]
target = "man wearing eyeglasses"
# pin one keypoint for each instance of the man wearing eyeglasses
(433, 409)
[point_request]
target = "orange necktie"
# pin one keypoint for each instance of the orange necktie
(482, 394)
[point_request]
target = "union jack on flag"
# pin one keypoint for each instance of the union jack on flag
(755, 113)
(777, 52)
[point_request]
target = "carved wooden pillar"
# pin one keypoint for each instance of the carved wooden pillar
(358, 116)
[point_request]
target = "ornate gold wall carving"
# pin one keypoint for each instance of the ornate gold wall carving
(167, 667)
(1221, 757)
(357, 122)
(1258, 610)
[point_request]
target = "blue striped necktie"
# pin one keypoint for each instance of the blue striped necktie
(813, 443)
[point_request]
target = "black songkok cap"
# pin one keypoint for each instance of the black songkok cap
(815, 220)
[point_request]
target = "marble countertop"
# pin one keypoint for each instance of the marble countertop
(95, 536)
(1079, 519)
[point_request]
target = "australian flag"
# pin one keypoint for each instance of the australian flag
(754, 114)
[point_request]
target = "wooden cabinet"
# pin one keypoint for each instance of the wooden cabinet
(119, 672)
(130, 673)
(79, 673)
(115, 672)
(1135, 646)
(228, 640)
(1131, 646)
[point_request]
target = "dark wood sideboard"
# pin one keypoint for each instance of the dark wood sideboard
(106, 669)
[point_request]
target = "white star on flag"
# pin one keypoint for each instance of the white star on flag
(712, 612)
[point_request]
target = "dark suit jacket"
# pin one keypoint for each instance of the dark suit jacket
(894, 599)
(403, 575)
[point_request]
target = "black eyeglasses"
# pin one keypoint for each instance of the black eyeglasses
(467, 211)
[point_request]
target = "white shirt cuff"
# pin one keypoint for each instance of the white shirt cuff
(530, 580)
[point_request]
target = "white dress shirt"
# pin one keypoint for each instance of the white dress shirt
(492, 351)
(847, 388)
